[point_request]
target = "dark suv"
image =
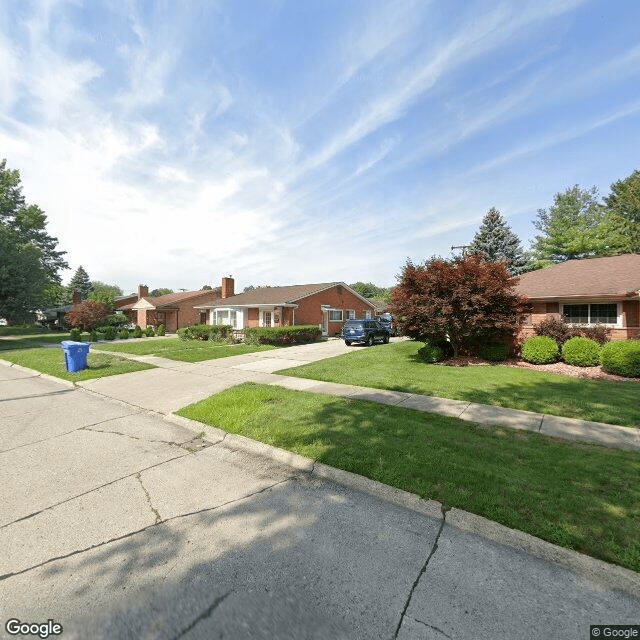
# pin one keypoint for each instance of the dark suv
(367, 331)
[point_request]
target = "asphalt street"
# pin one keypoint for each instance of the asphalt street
(118, 522)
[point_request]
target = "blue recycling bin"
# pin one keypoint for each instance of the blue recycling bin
(75, 355)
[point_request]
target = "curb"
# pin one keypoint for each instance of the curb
(597, 574)
(38, 374)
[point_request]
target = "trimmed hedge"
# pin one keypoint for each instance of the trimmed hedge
(282, 335)
(494, 352)
(430, 354)
(622, 358)
(75, 335)
(149, 332)
(109, 333)
(582, 352)
(540, 350)
(213, 332)
(161, 330)
(124, 334)
(137, 332)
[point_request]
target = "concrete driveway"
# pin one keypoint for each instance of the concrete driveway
(118, 523)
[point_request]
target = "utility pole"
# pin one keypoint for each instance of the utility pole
(464, 248)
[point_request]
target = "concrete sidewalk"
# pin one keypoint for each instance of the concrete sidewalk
(120, 520)
(191, 382)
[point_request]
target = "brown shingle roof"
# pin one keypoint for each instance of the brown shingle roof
(171, 299)
(275, 295)
(614, 277)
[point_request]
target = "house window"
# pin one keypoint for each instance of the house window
(266, 319)
(203, 317)
(590, 313)
(225, 316)
(351, 314)
(367, 315)
(335, 315)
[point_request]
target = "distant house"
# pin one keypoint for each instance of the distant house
(174, 310)
(327, 305)
(586, 292)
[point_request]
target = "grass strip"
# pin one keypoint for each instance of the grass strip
(183, 350)
(580, 496)
(51, 361)
(396, 367)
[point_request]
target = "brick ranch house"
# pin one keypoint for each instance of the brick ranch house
(327, 305)
(586, 292)
(174, 310)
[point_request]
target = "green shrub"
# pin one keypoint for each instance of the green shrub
(622, 358)
(540, 350)
(149, 332)
(123, 334)
(109, 333)
(160, 331)
(556, 329)
(430, 354)
(282, 335)
(137, 332)
(494, 352)
(116, 320)
(213, 332)
(582, 352)
(93, 336)
(75, 334)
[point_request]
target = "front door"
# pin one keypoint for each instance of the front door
(325, 323)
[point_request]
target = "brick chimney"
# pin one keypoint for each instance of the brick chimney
(75, 297)
(227, 287)
(143, 291)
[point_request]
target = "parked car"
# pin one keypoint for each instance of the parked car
(367, 331)
(386, 320)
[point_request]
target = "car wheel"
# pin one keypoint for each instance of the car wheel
(386, 338)
(347, 343)
(370, 340)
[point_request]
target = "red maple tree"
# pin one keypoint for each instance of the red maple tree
(87, 315)
(468, 302)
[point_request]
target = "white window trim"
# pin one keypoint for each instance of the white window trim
(367, 315)
(610, 325)
(239, 319)
(340, 311)
(262, 311)
(351, 314)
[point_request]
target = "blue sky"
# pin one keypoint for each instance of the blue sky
(173, 143)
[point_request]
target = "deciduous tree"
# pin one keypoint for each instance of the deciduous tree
(105, 293)
(623, 214)
(569, 229)
(87, 315)
(28, 222)
(468, 301)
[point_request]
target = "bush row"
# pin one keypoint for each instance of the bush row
(620, 358)
(109, 332)
(282, 335)
(213, 332)
(557, 329)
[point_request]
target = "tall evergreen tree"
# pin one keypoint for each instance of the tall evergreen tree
(81, 282)
(497, 243)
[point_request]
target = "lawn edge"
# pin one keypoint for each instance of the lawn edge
(593, 572)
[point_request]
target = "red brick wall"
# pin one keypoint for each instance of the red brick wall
(252, 318)
(630, 320)
(309, 311)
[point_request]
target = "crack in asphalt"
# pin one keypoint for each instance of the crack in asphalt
(432, 627)
(205, 614)
(444, 508)
(6, 576)
(106, 484)
(146, 493)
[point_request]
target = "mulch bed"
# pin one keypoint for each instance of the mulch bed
(561, 368)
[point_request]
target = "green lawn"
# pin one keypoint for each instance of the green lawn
(582, 497)
(395, 366)
(51, 361)
(184, 350)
